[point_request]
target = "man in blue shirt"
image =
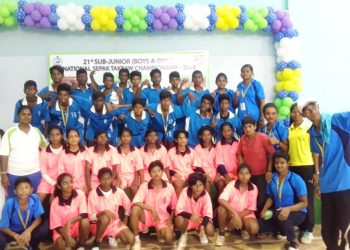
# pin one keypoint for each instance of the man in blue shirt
(50, 92)
(151, 93)
(36, 104)
(83, 91)
(330, 142)
(165, 118)
(21, 218)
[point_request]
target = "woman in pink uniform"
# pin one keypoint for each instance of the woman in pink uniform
(68, 215)
(104, 203)
(48, 163)
(237, 205)
(99, 156)
(73, 160)
(152, 151)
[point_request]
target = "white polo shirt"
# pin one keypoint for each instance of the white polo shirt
(22, 150)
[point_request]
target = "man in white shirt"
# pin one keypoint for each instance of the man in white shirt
(20, 150)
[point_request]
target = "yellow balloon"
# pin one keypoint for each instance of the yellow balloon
(112, 14)
(95, 25)
(103, 20)
(233, 23)
(236, 11)
(111, 26)
(296, 80)
(287, 74)
(225, 27)
(220, 23)
(288, 85)
(227, 6)
(104, 28)
(298, 87)
(297, 72)
(96, 12)
(279, 86)
(220, 10)
(279, 75)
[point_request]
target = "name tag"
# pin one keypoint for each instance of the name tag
(242, 105)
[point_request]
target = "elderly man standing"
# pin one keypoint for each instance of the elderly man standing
(20, 148)
(330, 145)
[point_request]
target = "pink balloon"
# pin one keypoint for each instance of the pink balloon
(45, 10)
(280, 14)
(172, 11)
(165, 27)
(45, 22)
(172, 24)
(28, 8)
(287, 23)
(157, 12)
(157, 24)
(37, 25)
(276, 25)
(35, 15)
(28, 21)
(165, 18)
(37, 5)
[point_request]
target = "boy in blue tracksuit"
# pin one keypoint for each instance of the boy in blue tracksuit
(151, 93)
(49, 93)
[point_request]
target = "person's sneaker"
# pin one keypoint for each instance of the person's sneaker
(306, 238)
(293, 245)
(95, 246)
(137, 244)
(80, 248)
(281, 237)
(182, 242)
(220, 240)
(245, 235)
(112, 242)
(202, 236)
(161, 240)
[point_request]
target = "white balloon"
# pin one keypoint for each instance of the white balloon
(79, 11)
(281, 52)
(80, 25)
(70, 6)
(72, 28)
(196, 17)
(60, 11)
(187, 11)
(188, 23)
(205, 11)
(71, 19)
(62, 24)
(204, 23)
(285, 42)
(195, 28)
(277, 45)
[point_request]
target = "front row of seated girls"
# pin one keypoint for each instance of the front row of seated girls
(108, 212)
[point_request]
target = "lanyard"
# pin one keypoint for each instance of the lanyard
(279, 189)
(65, 116)
(165, 122)
(24, 224)
(244, 93)
(321, 147)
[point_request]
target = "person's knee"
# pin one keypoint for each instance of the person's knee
(209, 229)
(60, 244)
(103, 220)
(168, 236)
(221, 211)
(127, 237)
(135, 211)
(253, 227)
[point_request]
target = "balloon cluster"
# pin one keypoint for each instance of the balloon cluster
(87, 18)
(256, 19)
(103, 18)
(120, 20)
(213, 18)
(282, 23)
(7, 12)
(70, 17)
(228, 17)
(283, 107)
(288, 49)
(149, 18)
(180, 17)
(34, 15)
(197, 17)
(271, 17)
(289, 80)
(135, 19)
(165, 18)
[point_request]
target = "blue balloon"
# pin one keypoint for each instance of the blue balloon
(243, 8)
(271, 9)
(212, 8)
(53, 18)
(240, 27)
(180, 27)
(279, 36)
(20, 15)
(268, 28)
(53, 7)
(282, 94)
(21, 3)
(149, 19)
(120, 29)
(55, 28)
(86, 19)
(119, 20)
(281, 66)
(88, 28)
(213, 18)
(180, 18)
(271, 18)
(150, 29)
(119, 10)
(211, 28)
(87, 8)
(243, 17)
(294, 95)
(180, 7)
(149, 8)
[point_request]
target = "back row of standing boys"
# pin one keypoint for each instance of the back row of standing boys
(177, 135)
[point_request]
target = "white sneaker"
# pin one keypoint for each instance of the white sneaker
(293, 246)
(281, 237)
(80, 248)
(137, 244)
(220, 240)
(245, 235)
(95, 248)
(182, 242)
(161, 240)
(202, 236)
(112, 242)
(306, 238)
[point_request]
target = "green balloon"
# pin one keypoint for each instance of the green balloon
(257, 17)
(262, 24)
(135, 20)
(135, 29)
(2, 20)
(264, 12)
(134, 9)
(278, 102)
(12, 6)
(127, 26)
(127, 13)
(281, 117)
(254, 28)
(142, 13)
(10, 21)
(283, 111)
(249, 25)
(250, 12)
(143, 25)
(4, 12)
(288, 102)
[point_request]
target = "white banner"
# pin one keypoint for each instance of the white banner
(183, 62)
